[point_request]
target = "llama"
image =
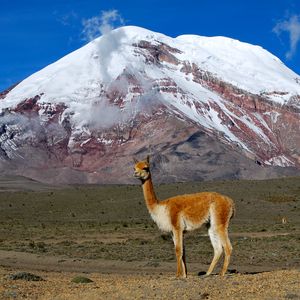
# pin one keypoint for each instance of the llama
(188, 212)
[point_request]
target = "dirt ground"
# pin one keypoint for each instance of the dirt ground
(105, 234)
(58, 285)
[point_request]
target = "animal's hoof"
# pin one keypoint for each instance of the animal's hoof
(181, 276)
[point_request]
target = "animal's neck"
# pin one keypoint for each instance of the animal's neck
(149, 194)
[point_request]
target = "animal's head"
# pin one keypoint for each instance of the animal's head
(142, 169)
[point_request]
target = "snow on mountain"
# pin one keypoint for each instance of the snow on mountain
(239, 93)
(81, 73)
(249, 67)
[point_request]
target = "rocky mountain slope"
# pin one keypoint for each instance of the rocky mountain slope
(204, 107)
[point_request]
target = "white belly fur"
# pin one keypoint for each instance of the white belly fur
(189, 225)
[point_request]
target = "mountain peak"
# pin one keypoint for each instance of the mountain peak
(104, 59)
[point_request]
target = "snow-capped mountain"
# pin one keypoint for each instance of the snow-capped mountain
(205, 107)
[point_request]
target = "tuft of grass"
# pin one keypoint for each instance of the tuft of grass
(39, 246)
(81, 279)
(26, 276)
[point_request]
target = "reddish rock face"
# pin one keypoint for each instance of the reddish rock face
(39, 140)
(157, 53)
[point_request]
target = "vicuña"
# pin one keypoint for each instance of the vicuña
(188, 212)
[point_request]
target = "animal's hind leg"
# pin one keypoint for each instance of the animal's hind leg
(227, 250)
(217, 245)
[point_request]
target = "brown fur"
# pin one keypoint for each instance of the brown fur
(189, 212)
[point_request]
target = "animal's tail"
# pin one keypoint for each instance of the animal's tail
(233, 210)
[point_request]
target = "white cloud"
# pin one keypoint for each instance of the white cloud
(67, 19)
(102, 24)
(292, 27)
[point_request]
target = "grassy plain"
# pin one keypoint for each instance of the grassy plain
(107, 229)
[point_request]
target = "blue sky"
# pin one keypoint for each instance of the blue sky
(35, 33)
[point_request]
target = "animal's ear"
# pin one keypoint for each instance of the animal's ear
(135, 160)
(148, 159)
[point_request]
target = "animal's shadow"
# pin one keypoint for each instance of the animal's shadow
(231, 272)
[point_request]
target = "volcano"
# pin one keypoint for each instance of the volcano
(203, 107)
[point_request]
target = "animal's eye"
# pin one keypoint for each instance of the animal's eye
(146, 169)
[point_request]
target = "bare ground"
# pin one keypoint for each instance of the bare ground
(57, 285)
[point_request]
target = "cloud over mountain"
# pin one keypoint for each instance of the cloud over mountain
(291, 26)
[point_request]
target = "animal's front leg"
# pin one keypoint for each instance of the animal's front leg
(179, 250)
